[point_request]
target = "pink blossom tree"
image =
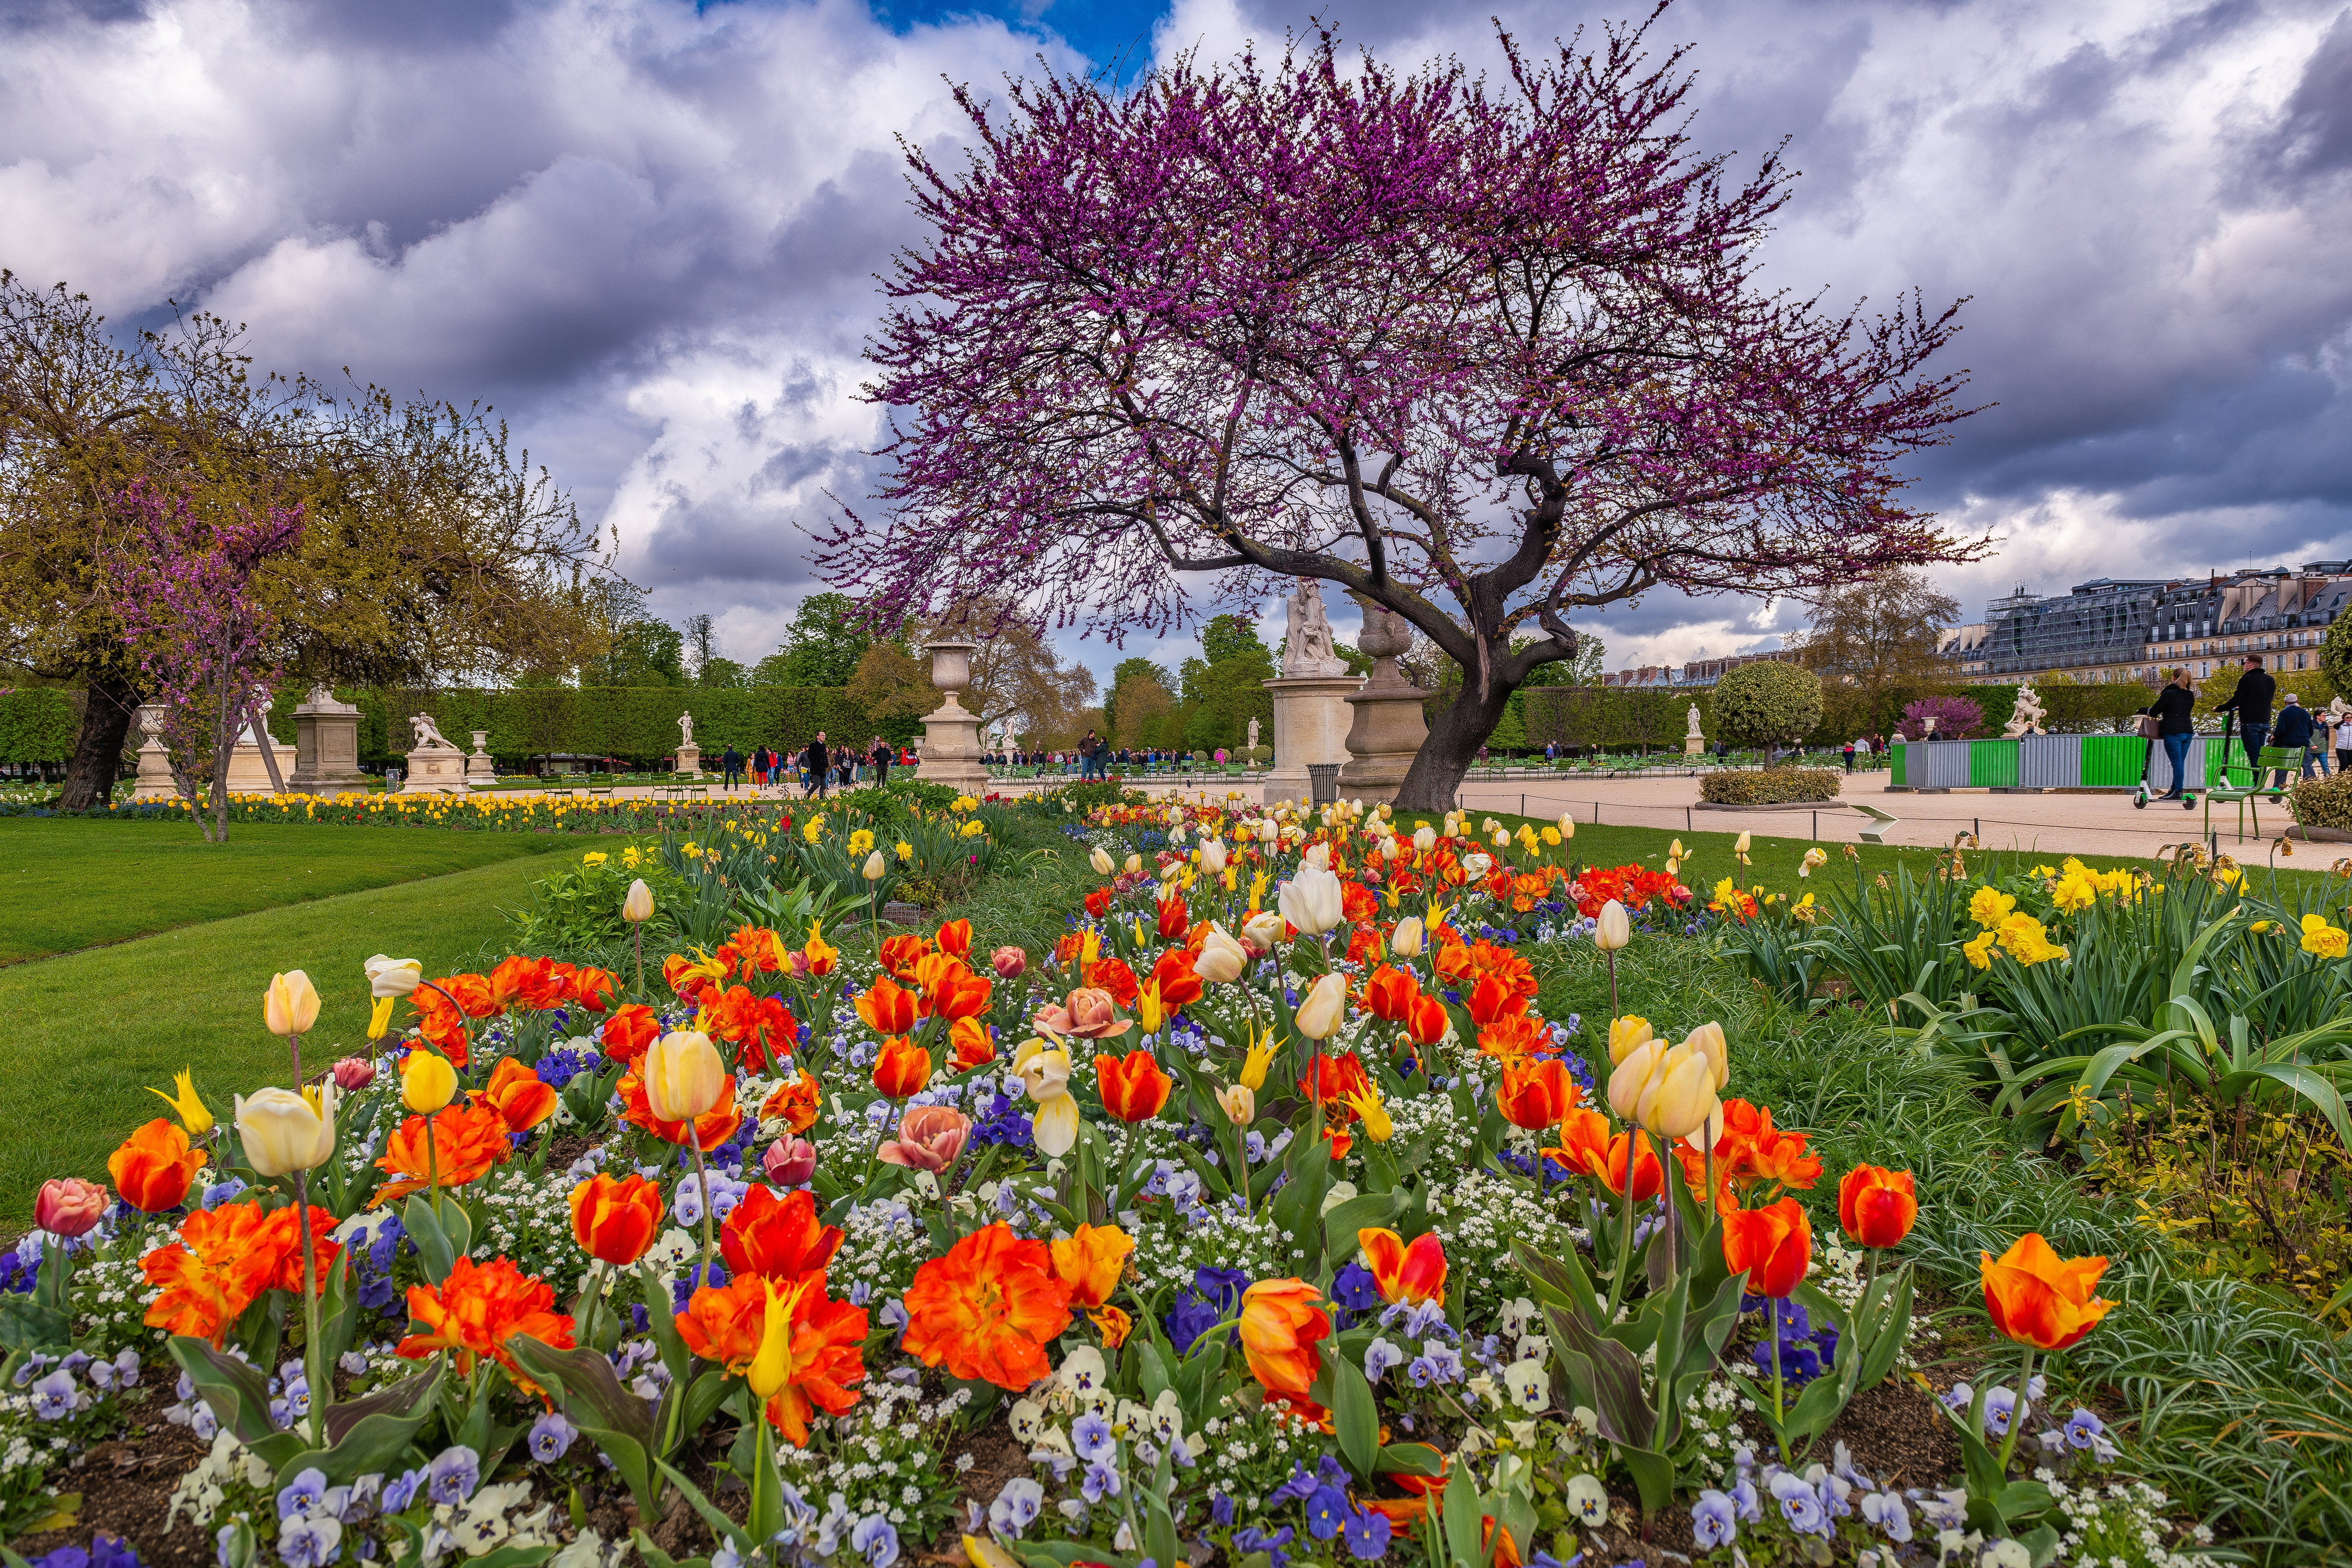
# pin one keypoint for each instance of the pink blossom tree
(182, 582)
(1486, 353)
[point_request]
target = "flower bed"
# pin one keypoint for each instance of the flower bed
(1266, 1214)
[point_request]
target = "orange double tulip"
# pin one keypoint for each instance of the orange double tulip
(1280, 1327)
(615, 1222)
(1537, 1094)
(1133, 1087)
(987, 1309)
(2037, 1298)
(154, 1166)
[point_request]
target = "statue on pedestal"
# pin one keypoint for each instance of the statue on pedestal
(1252, 734)
(685, 731)
(1307, 647)
(2025, 718)
(429, 737)
(1694, 740)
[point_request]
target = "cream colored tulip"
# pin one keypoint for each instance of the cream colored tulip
(1318, 856)
(1044, 1074)
(1176, 834)
(1323, 1007)
(873, 867)
(1668, 1089)
(1566, 825)
(1475, 865)
(1424, 839)
(1502, 839)
(1612, 929)
(638, 907)
(1269, 831)
(392, 978)
(280, 1130)
(1310, 900)
(1709, 1038)
(684, 1076)
(291, 1005)
(1221, 959)
(1238, 1103)
(1407, 940)
(1134, 864)
(1101, 861)
(1262, 930)
(1626, 1036)
(1213, 855)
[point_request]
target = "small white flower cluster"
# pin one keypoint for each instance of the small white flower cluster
(1479, 1216)
(886, 1457)
(2120, 1525)
(527, 1217)
(1168, 1251)
(882, 1244)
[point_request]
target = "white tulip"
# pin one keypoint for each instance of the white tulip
(1612, 929)
(1310, 900)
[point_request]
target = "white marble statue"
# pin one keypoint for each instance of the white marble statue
(1252, 734)
(429, 737)
(686, 729)
(2025, 718)
(1691, 731)
(1307, 647)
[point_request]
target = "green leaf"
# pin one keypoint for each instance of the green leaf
(615, 1419)
(1608, 1372)
(1461, 1517)
(1411, 1459)
(1653, 1476)
(369, 1433)
(1360, 1213)
(1355, 1416)
(438, 1245)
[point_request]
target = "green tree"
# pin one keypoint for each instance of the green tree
(1225, 689)
(821, 647)
(1769, 704)
(1139, 702)
(644, 652)
(723, 674)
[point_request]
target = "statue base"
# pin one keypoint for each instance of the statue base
(952, 751)
(327, 748)
(689, 760)
(154, 775)
(436, 770)
(1693, 745)
(479, 766)
(248, 774)
(1310, 725)
(1387, 734)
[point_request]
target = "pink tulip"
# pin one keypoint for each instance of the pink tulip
(1010, 962)
(929, 1137)
(1088, 1014)
(790, 1162)
(353, 1074)
(68, 1207)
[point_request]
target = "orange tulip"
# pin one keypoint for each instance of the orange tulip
(1536, 1095)
(631, 1031)
(987, 1309)
(2040, 1299)
(1390, 994)
(955, 937)
(1413, 1273)
(1491, 1000)
(898, 954)
(901, 1069)
(957, 993)
(1426, 1023)
(1177, 978)
(797, 1102)
(1280, 1326)
(887, 1008)
(154, 1166)
(1586, 1147)
(1773, 1245)
(1877, 1205)
(780, 1237)
(615, 1222)
(477, 1310)
(1091, 1261)
(522, 1101)
(1135, 1089)
(820, 1345)
(970, 1044)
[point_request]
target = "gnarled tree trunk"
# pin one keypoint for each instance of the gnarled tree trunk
(1452, 745)
(98, 748)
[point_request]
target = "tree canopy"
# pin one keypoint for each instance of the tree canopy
(1487, 352)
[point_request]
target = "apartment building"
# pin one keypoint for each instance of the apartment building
(1698, 672)
(2113, 630)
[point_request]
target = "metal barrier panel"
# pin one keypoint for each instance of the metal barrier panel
(2113, 761)
(1898, 756)
(1993, 764)
(1940, 764)
(2051, 762)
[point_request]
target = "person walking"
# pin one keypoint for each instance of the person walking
(2344, 742)
(2295, 730)
(880, 749)
(2174, 712)
(1849, 756)
(818, 762)
(730, 769)
(2252, 704)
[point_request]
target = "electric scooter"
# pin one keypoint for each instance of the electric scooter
(2145, 792)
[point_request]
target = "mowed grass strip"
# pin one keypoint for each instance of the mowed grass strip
(70, 883)
(87, 1033)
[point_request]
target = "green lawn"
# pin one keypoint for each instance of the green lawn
(70, 883)
(85, 1033)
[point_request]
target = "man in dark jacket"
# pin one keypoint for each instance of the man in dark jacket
(878, 753)
(2294, 730)
(2173, 710)
(730, 768)
(2252, 703)
(818, 760)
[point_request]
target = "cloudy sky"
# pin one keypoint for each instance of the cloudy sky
(647, 230)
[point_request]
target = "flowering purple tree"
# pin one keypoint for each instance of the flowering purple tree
(182, 583)
(1957, 719)
(1484, 354)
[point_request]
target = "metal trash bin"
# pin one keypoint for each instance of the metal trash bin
(1325, 779)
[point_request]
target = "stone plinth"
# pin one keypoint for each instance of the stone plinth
(154, 762)
(1310, 725)
(248, 774)
(951, 749)
(1389, 722)
(689, 760)
(479, 766)
(436, 770)
(327, 747)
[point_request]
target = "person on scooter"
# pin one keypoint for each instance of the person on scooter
(2172, 711)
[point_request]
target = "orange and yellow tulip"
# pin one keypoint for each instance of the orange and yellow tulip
(2037, 1298)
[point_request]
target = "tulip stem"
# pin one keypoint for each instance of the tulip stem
(702, 1192)
(1780, 1429)
(2017, 1412)
(1611, 953)
(590, 1300)
(1625, 1236)
(432, 1170)
(637, 937)
(322, 1389)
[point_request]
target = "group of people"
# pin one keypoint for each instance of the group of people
(2296, 729)
(1094, 757)
(818, 766)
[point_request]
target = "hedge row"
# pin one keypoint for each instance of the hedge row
(1615, 716)
(1771, 786)
(38, 725)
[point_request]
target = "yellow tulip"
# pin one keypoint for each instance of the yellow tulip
(1134, 864)
(684, 1076)
(1626, 1036)
(380, 1017)
(1147, 1007)
(771, 1366)
(1709, 1038)
(1260, 1057)
(1239, 1102)
(1324, 1008)
(1668, 1089)
(186, 1104)
(280, 1130)
(428, 1081)
(873, 867)
(638, 907)
(1366, 1103)
(291, 1005)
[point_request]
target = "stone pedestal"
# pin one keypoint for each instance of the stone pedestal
(248, 774)
(952, 751)
(689, 760)
(479, 766)
(436, 770)
(1389, 722)
(326, 747)
(1310, 725)
(154, 762)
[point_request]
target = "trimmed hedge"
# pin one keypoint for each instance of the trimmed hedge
(2325, 802)
(38, 725)
(1771, 786)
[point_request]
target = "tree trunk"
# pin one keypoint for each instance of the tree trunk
(1452, 744)
(98, 748)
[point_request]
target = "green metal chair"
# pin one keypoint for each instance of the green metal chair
(2287, 760)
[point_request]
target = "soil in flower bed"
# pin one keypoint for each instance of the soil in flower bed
(126, 1486)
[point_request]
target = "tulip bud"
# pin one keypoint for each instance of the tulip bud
(1262, 930)
(1709, 1038)
(1311, 901)
(280, 1130)
(1502, 839)
(1685, 1100)
(1101, 861)
(353, 1074)
(1612, 929)
(1424, 839)
(1176, 834)
(873, 867)
(1213, 855)
(1566, 825)
(1324, 1004)
(1475, 865)
(1407, 940)
(1134, 864)
(1318, 856)
(1239, 1103)
(1221, 959)
(638, 907)
(428, 1081)
(393, 977)
(68, 1207)
(1627, 1035)
(790, 1162)
(291, 1005)
(683, 1075)
(1630, 1077)
(1010, 962)
(1269, 832)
